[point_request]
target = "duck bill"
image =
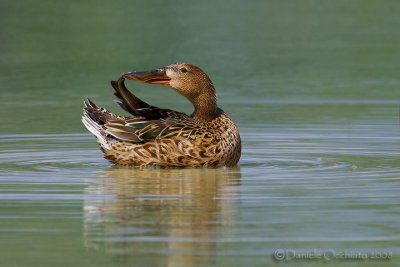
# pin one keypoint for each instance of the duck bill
(158, 76)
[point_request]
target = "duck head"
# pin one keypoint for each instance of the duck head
(188, 80)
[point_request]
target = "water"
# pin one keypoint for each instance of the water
(312, 86)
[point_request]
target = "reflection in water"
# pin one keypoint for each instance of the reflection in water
(134, 213)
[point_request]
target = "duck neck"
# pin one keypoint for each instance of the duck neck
(205, 105)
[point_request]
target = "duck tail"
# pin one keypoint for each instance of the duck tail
(94, 118)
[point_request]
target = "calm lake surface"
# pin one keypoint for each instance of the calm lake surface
(312, 85)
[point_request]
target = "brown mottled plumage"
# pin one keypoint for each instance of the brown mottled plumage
(163, 137)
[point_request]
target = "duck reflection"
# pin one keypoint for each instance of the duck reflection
(158, 217)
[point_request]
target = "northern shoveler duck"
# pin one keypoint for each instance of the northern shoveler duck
(162, 137)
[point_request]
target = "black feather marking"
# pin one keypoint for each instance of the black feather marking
(99, 115)
(89, 103)
(121, 105)
(126, 100)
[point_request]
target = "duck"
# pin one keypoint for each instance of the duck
(164, 138)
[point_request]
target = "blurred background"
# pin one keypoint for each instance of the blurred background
(312, 85)
(271, 61)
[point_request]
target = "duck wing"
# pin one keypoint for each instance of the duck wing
(140, 131)
(126, 100)
(147, 123)
(137, 107)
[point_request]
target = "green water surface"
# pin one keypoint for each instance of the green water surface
(312, 85)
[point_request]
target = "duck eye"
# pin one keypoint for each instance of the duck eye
(184, 70)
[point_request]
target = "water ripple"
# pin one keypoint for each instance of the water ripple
(294, 185)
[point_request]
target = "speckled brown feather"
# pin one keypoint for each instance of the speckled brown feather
(162, 137)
